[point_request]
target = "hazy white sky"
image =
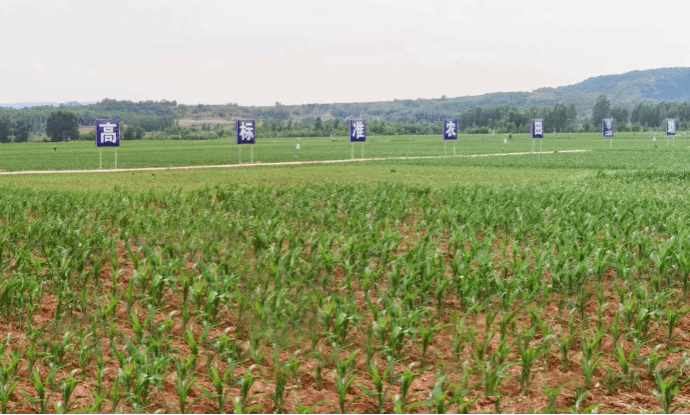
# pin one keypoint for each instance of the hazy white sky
(258, 52)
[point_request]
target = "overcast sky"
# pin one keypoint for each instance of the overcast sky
(258, 52)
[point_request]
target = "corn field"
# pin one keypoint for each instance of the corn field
(346, 298)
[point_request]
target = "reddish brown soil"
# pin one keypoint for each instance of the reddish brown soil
(306, 389)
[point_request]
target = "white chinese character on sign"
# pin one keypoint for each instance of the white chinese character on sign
(450, 129)
(537, 128)
(671, 126)
(358, 131)
(608, 130)
(246, 131)
(108, 135)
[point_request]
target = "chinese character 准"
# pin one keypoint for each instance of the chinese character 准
(358, 131)
(246, 131)
(108, 135)
(450, 129)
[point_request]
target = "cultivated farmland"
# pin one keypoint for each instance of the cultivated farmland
(547, 283)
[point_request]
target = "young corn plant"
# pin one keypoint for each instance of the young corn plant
(669, 387)
(565, 344)
(44, 390)
(589, 367)
(405, 380)
(580, 396)
(222, 384)
(7, 387)
(461, 392)
(68, 386)
(427, 335)
(629, 364)
(440, 399)
(184, 386)
(673, 317)
(382, 383)
(551, 395)
(656, 356)
(591, 358)
(344, 379)
(528, 356)
(243, 401)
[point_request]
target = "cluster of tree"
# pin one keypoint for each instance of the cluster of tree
(653, 115)
(62, 126)
(19, 128)
(602, 109)
(642, 117)
(206, 132)
(316, 127)
(162, 108)
(147, 115)
(478, 120)
(127, 132)
(507, 119)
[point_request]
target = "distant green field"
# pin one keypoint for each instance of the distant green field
(135, 154)
(629, 154)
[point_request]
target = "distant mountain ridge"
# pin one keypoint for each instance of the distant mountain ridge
(19, 105)
(627, 90)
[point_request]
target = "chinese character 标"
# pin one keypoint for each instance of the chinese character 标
(246, 131)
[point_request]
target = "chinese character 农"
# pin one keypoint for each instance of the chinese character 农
(450, 129)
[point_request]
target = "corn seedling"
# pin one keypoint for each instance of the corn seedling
(382, 383)
(669, 387)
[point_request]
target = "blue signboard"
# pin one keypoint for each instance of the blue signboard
(358, 130)
(246, 132)
(538, 128)
(450, 129)
(108, 133)
(670, 126)
(607, 126)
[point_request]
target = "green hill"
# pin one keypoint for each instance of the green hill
(627, 90)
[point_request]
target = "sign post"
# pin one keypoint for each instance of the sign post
(358, 133)
(246, 134)
(537, 132)
(670, 129)
(450, 132)
(607, 127)
(107, 135)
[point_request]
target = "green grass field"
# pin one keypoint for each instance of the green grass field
(134, 154)
(634, 153)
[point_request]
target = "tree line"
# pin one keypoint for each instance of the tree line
(160, 117)
(144, 115)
